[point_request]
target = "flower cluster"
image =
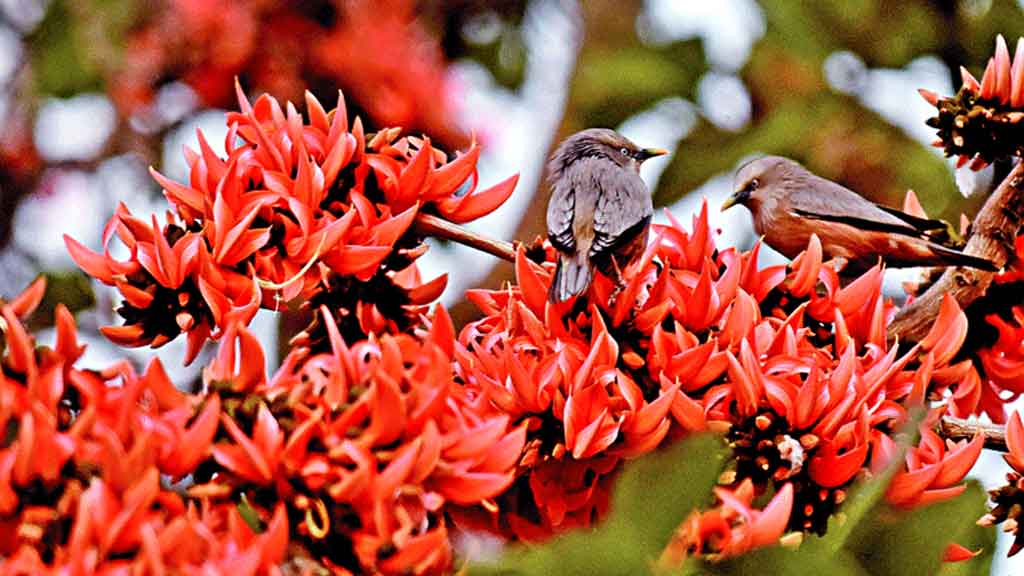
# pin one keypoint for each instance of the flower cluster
(368, 442)
(792, 365)
(982, 122)
(381, 53)
(311, 209)
(80, 474)
(354, 453)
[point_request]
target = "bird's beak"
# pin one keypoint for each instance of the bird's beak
(648, 153)
(730, 202)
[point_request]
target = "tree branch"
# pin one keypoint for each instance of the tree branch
(429, 225)
(959, 429)
(993, 234)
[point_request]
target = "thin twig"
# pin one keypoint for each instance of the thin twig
(429, 225)
(993, 233)
(959, 429)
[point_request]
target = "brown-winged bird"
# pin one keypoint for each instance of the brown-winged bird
(599, 210)
(789, 204)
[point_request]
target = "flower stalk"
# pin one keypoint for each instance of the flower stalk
(956, 429)
(430, 225)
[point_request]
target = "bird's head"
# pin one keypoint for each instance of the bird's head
(603, 143)
(756, 179)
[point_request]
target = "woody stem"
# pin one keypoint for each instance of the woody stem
(992, 237)
(959, 429)
(429, 225)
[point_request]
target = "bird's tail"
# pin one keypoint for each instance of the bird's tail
(950, 257)
(572, 277)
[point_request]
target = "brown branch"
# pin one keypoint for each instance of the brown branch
(993, 233)
(429, 225)
(959, 429)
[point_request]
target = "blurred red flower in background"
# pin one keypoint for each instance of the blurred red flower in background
(378, 52)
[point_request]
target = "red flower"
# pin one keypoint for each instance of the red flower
(980, 120)
(80, 481)
(378, 429)
(733, 527)
(794, 365)
(1003, 362)
(933, 468)
(299, 209)
(385, 55)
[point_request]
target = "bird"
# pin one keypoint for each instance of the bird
(599, 211)
(790, 203)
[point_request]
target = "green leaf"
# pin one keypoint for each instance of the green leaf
(78, 43)
(912, 542)
(60, 67)
(808, 559)
(655, 494)
(652, 497)
(613, 83)
(974, 538)
(72, 288)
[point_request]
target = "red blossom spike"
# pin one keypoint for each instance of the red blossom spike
(1015, 443)
(806, 268)
(252, 459)
(478, 204)
(740, 320)
(1002, 70)
(533, 289)
(956, 553)
(698, 248)
(447, 179)
(912, 206)
(193, 446)
(929, 96)
(90, 262)
(970, 83)
(25, 303)
(989, 81)
(1017, 76)
(413, 177)
(829, 468)
(958, 462)
(948, 332)
(772, 521)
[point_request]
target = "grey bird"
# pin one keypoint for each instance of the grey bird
(600, 209)
(789, 204)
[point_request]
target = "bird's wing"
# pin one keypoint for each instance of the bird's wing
(623, 210)
(922, 224)
(561, 208)
(822, 199)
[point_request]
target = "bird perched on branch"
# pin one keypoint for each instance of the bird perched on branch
(789, 204)
(599, 210)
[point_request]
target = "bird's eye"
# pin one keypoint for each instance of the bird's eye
(753, 185)
(624, 151)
